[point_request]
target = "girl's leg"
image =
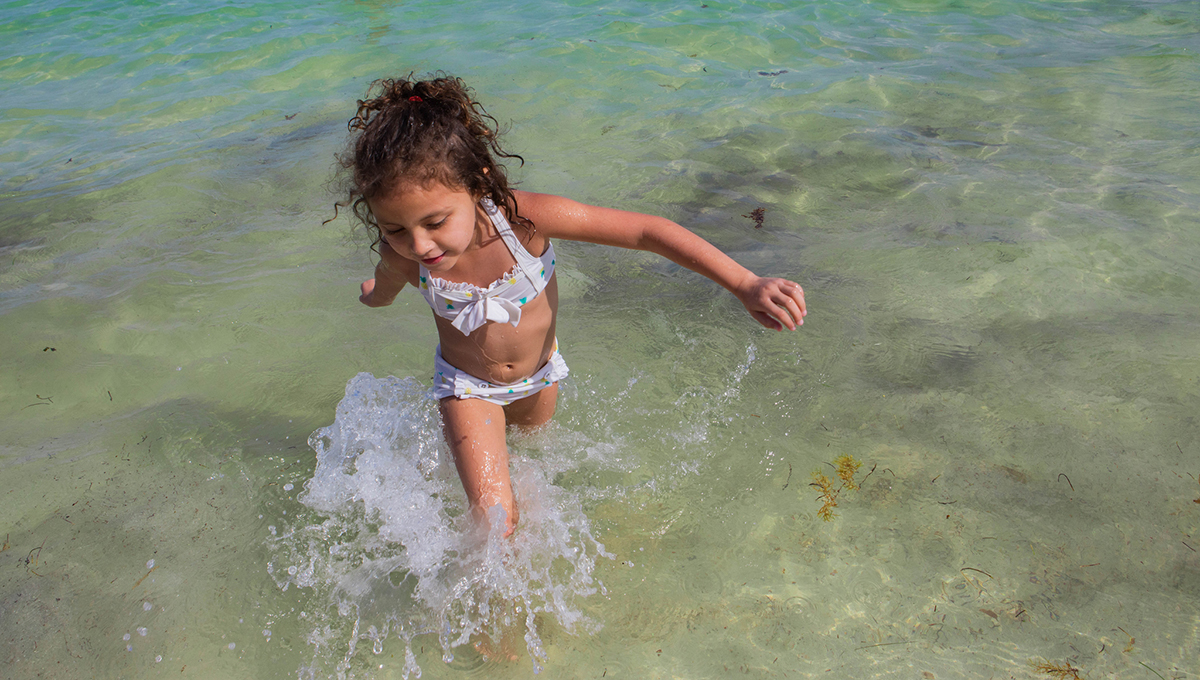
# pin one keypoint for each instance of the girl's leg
(475, 431)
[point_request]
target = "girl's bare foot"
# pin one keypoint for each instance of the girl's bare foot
(490, 651)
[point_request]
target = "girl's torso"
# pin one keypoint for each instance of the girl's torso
(495, 351)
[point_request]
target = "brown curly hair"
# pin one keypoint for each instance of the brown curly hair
(424, 131)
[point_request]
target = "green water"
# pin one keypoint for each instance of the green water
(992, 206)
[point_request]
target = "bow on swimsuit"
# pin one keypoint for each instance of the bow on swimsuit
(468, 307)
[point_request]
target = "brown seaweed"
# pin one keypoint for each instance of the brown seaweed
(758, 215)
(1058, 671)
(845, 466)
(827, 495)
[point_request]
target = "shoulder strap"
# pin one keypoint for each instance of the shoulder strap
(530, 265)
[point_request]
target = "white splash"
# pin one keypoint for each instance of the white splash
(392, 547)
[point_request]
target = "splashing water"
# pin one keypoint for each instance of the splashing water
(391, 544)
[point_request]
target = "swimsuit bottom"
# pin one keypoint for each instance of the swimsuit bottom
(449, 381)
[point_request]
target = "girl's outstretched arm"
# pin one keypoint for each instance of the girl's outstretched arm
(774, 303)
(388, 282)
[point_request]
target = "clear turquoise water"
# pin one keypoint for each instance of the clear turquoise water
(992, 207)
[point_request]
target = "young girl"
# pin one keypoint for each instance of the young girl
(444, 220)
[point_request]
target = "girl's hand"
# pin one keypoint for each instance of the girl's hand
(367, 297)
(775, 303)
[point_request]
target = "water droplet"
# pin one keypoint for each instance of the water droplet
(126, 637)
(158, 659)
(266, 632)
(142, 631)
(129, 648)
(232, 645)
(288, 487)
(146, 606)
(150, 564)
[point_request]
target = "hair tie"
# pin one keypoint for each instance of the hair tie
(415, 98)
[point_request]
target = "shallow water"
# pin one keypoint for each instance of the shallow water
(992, 207)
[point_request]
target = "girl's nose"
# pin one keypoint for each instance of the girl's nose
(421, 243)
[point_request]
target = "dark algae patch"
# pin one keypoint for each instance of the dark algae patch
(1058, 671)
(758, 215)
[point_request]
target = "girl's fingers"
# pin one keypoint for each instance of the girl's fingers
(783, 315)
(794, 293)
(795, 309)
(786, 303)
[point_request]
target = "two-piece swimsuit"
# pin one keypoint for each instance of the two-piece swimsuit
(468, 307)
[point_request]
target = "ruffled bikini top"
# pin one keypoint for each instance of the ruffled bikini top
(468, 306)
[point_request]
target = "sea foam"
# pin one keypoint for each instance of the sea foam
(390, 545)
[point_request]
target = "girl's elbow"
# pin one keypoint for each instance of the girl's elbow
(659, 235)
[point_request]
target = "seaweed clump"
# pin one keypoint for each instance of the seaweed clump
(758, 215)
(845, 467)
(827, 495)
(1058, 671)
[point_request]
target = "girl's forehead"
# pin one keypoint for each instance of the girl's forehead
(414, 201)
(427, 187)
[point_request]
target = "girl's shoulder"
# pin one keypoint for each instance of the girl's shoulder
(533, 202)
(529, 222)
(563, 218)
(547, 212)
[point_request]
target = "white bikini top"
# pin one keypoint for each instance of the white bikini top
(468, 306)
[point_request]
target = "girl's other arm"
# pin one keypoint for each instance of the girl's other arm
(774, 303)
(388, 282)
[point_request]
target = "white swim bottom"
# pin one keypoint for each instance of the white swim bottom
(449, 381)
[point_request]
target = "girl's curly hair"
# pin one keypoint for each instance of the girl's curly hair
(424, 131)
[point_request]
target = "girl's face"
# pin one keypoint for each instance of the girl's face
(432, 224)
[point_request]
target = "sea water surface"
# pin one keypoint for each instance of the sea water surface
(215, 463)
